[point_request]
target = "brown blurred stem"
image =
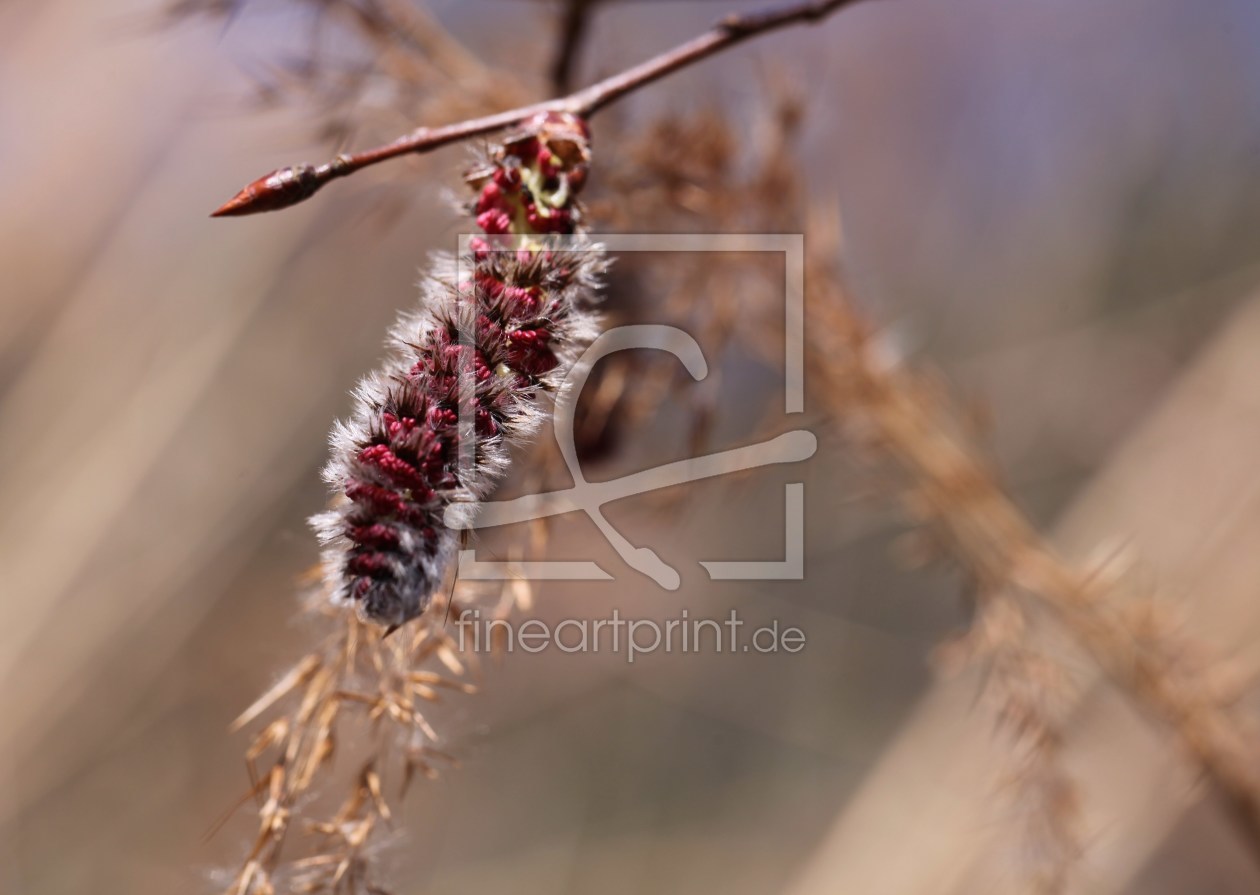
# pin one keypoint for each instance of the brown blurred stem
(573, 29)
(289, 186)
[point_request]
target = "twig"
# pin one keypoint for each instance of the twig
(573, 28)
(289, 186)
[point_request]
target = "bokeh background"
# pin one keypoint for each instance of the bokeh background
(1056, 203)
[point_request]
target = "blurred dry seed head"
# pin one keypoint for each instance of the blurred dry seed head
(364, 689)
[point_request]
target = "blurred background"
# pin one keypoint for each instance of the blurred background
(1055, 203)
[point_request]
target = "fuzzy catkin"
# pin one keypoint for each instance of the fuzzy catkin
(490, 336)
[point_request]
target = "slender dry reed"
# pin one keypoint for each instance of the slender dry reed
(953, 489)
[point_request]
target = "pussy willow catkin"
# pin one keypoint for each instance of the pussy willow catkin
(492, 334)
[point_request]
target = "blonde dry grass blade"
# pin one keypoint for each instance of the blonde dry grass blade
(296, 676)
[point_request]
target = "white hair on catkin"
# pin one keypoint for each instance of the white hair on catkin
(492, 334)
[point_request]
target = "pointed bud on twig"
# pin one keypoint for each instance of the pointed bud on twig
(279, 189)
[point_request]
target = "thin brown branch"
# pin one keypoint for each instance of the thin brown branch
(289, 186)
(573, 28)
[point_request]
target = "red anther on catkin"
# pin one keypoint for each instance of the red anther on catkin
(376, 535)
(484, 345)
(371, 565)
(529, 351)
(494, 220)
(394, 467)
(398, 428)
(378, 501)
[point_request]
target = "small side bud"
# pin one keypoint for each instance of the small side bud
(271, 192)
